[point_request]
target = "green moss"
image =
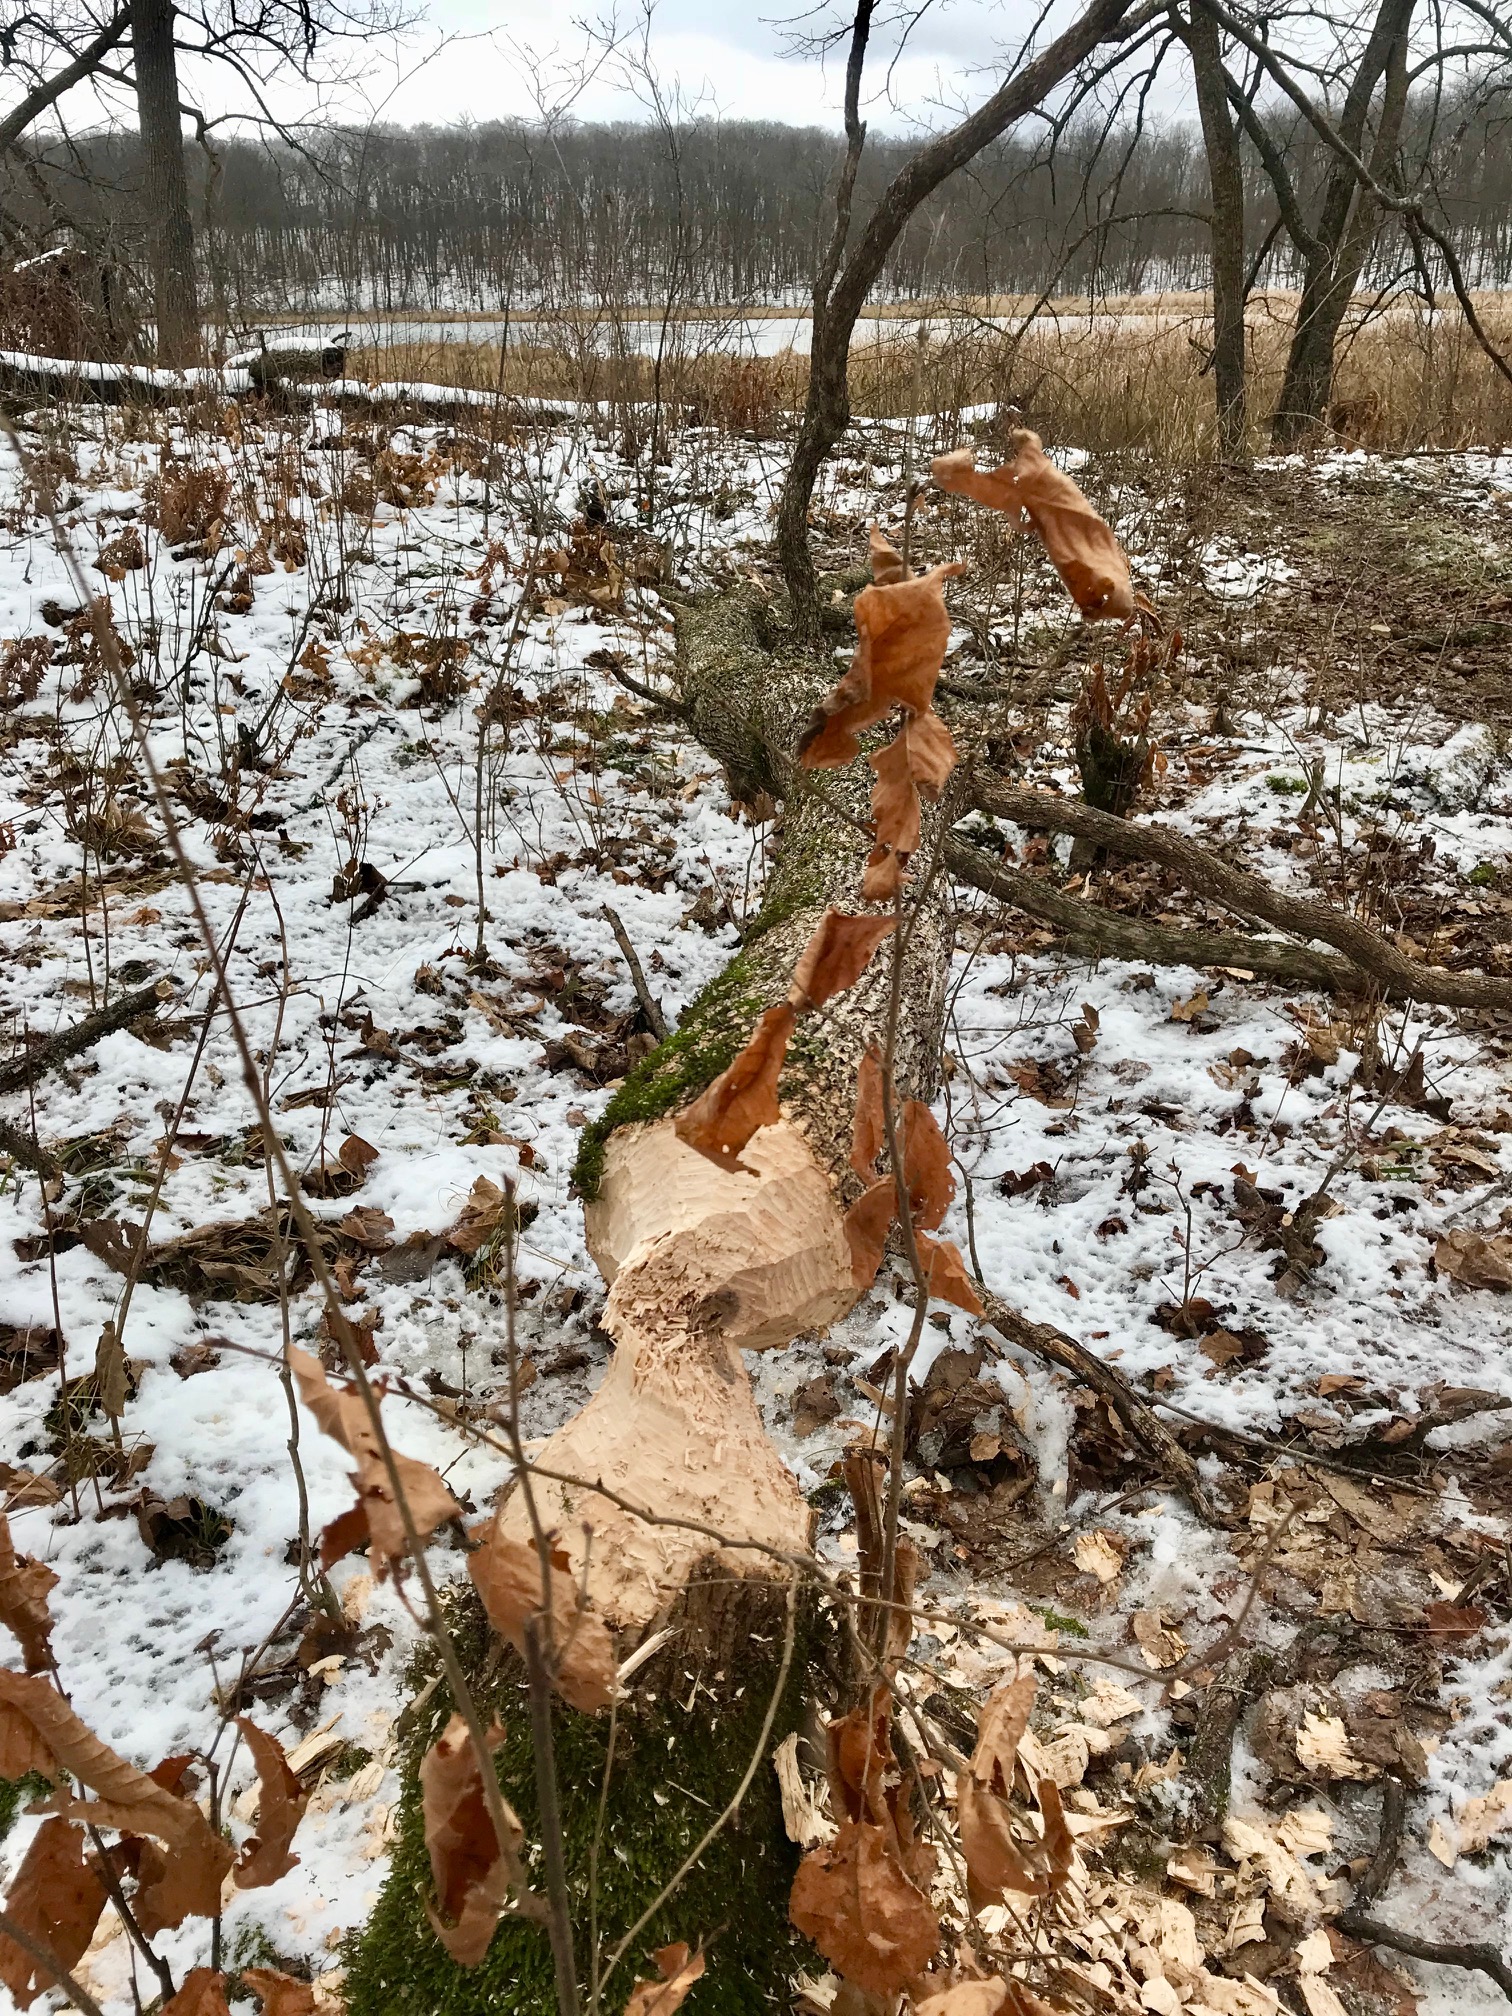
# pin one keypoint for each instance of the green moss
(673, 1772)
(16, 1793)
(711, 1032)
(1483, 876)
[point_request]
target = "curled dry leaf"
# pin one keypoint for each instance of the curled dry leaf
(996, 1863)
(886, 561)
(866, 1226)
(1475, 1259)
(280, 1994)
(1080, 544)
(280, 1807)
(945, 1274)
(473, 1879)
(882, 877)
(486, 1209)
(507, 1575)
(895, 802)
(57, 1897)
(902, 630)
(368, 1227)
(743, 1098)
(926, 1167)
(836, 956)
(931, 752)
(356, 1156)
(1059, 1846)
(873, 1925)
(1001, 1725)
(181, 1880)
(868, 1129)
(678, 1969)
(342, 1415)
(203, 1994)
(24, 1588)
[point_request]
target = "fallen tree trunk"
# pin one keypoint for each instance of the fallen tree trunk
(1371, 961)
(23, 376)
(704, 1264)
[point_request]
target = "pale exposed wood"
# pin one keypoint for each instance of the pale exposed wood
(703, 1264)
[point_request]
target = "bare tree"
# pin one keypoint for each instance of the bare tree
(842, 283)
(1220, 138)
(165, 189)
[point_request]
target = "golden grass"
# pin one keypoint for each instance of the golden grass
(1129, 377)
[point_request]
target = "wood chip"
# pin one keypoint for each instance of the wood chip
(1161, 1646)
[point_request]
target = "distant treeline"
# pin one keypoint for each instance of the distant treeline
(471, 217)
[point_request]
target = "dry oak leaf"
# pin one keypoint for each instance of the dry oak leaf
(902, 630)
(24, 1588)
(1080, 544)
(945, 1274)
(280, 1807)
(996, 1862)
(280, 1994)
(342, 1415)
(356, 1156)
(679, 1969)
(836, 956)
(472, 1878)
(203, 1994)
(866, 1226)
(743, 1098)
(368, 1227)
(882, 877)
(868, 1128)
(57, 1897)
(1001, 1725)
(1160, 1646)
(926, 1167)
(486, 1209)
(874, 1926)
(885, 560)
(1475, 1259)
(895, 802)
(507, 1575)
(1481, 1820)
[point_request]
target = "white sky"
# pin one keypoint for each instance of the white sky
(471, 60)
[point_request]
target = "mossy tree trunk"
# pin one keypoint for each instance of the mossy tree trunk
(703, 1265)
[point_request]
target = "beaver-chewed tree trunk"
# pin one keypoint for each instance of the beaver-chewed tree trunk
(704, 1264)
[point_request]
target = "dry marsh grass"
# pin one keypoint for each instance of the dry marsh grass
(1131, 375)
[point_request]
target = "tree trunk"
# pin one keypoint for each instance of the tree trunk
(1340, 250)
(826, 412)
(170, 233)
(703, 1264)
(1226, 183)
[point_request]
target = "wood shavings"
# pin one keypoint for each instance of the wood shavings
(1322, 1745)
(1098, 1553)
(1161, 1646)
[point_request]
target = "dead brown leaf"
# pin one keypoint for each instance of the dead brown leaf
(280, 1806)
(874, 1926)
(472, 1878)
(868, 1130)
(902, 630)
(203, 1994)
(836, 956)
(507, 1575)
(280, 1994)
(866, 1226)
(24, 1588)
(926, 1167)
(895, 802)
(743, 1098)
(678, 1969)
(1475, 1259)
(1080, 544)
(885, 560)
(486, 1209)
(356, 1156)
(945, 1274)
(57, 1897)
(342, 1415)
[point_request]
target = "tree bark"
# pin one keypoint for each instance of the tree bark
(47, 93)
(170, 233)
(1339, 247)
(1226, 185)
(826, 411)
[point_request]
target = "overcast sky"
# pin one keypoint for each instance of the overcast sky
(735, 59)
